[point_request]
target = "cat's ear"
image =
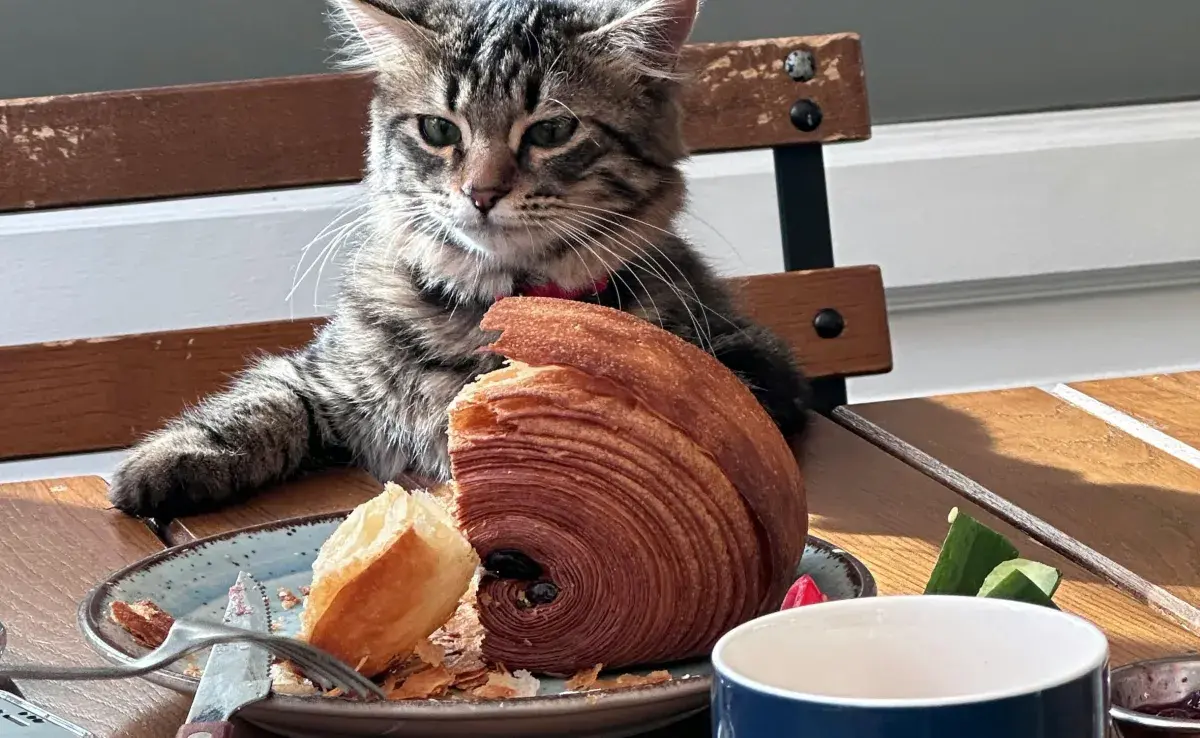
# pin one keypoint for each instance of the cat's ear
(374, 33)
(650, 36)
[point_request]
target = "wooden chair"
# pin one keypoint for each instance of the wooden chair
(793, 95)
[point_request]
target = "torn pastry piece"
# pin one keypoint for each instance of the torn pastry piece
(501, 685)
(426, 684)
(631, 498)
(287, 679)
(390, 575)
(628, 681)
(584, 679)
(144, 620)
(589, 679)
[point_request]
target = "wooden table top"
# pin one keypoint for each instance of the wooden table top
(1027, 444)
(1113, 491)
(58, 539)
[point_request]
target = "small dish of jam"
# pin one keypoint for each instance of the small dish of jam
(1157, 699)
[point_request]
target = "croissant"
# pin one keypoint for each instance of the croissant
(629, 495)
(392, 573)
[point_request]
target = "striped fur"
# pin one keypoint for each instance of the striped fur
(373, 387)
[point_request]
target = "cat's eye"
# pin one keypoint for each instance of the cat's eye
(438, 131)
(550, 133)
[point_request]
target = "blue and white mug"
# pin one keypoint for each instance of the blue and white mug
(912, 667)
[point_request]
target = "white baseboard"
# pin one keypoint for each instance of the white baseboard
(1015, 249)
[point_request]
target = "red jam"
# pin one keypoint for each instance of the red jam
(803, 592)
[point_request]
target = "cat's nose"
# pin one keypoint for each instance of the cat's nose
(485, 198)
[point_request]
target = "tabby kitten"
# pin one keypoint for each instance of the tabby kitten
(516, 147)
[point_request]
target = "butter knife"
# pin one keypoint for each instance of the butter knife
(237, 674)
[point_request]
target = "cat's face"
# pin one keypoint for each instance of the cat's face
(517, 129)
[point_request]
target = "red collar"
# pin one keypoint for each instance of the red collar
(554, 290)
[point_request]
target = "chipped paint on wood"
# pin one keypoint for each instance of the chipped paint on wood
(309, 130)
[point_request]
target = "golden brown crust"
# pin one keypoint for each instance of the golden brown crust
(682, 383)
(656, 494)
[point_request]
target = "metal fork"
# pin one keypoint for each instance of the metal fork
(189, 636)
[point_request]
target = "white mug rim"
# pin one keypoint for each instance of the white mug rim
(1095, 664)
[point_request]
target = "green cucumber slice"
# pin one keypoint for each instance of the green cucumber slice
(1020, 588)
(970, 552)
(1045, 577)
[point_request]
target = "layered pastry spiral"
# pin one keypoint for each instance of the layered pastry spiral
(631, 498)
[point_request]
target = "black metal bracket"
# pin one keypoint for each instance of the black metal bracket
(807, 235)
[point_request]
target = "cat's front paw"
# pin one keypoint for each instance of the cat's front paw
(175, 473)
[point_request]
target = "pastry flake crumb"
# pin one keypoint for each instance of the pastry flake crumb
(469, 680)
(287, 599)
(144, 620)
(461, 641)
(427, 684)
(584, 680)
(503, 685)
(286, 679)
(193, 671)
(305, 590)
(430, 652)
(626, 681)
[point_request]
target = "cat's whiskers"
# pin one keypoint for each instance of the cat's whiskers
(637, 259)
(707, 310)
(317, 261)
(557, 228)
(588, 243)
(702, 334)
(331, 254)
(334, 228)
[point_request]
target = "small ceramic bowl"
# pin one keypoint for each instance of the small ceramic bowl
(1158, 682)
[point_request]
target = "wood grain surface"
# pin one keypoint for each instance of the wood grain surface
(329, 491)
(1167, 402)
(100, 393)
(874, 506)
(309, 130)
(894, 518)
(1129, 501)
(58, 539)
(788, 302)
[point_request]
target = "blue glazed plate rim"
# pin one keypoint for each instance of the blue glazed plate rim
(688, 689)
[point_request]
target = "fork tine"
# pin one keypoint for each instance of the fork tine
(315, 662)
(309, 658)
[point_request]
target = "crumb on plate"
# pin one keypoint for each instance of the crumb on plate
(626, 681)
(584, 680)
(503, 685)
(286, 599)
(144, 620)
(426, 684)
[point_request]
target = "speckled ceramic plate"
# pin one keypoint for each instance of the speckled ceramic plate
(193, 581)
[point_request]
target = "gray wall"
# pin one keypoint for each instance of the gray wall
(925, 58)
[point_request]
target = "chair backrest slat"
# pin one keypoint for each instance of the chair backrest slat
(88, 395)
(309, 130)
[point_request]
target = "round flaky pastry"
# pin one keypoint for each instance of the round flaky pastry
(632, 496)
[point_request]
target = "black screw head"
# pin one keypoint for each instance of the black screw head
(800, 65)
(541, 593)
(829, 323)
(806, 115)
(508, 563)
